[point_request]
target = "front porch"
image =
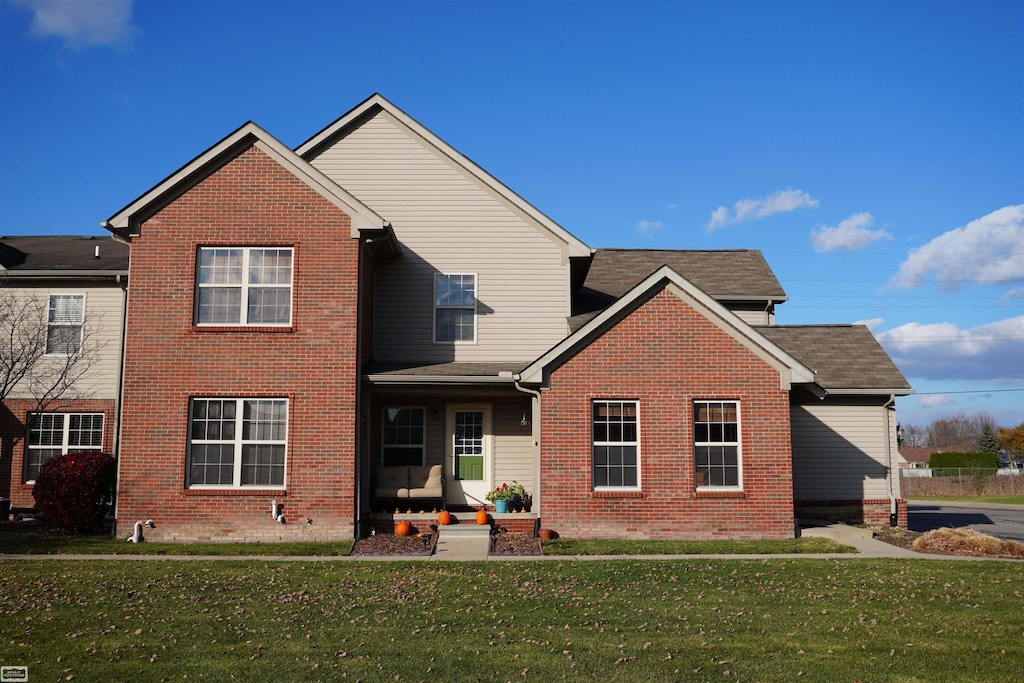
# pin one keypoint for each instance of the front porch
(422, 521)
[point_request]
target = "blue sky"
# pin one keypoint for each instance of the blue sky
(873, 151)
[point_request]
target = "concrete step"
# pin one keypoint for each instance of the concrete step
(464, 531)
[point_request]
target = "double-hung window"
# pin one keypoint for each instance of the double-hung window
(454, 308)
(51, 434)
(716, 443)
(237, 442)
(64, 323)
(616, 444)
(244, 286)
(403, 441)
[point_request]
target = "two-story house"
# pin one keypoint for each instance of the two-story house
(62, 301)
(303, 324)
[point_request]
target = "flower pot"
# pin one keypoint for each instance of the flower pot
(546, 534)
(501, 506)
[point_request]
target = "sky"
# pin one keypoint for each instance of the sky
(873, 151)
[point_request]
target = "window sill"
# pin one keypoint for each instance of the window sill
(280, 329)
(613, 493)
(720, 493)
(266, 493)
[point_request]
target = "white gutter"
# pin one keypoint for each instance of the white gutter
(890, 407)
(535, 429)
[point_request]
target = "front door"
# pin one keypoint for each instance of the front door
(469, 453)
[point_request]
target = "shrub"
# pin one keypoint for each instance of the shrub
(73, 491)
(964, 460)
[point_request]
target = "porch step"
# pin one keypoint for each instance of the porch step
(460, 542)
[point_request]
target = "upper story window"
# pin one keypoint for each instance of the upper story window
(716, 443)
(64, 323)
(616, 444)
(454, 308)
(244, 286)
(51, 434)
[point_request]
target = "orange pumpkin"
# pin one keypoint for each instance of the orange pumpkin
(481, 516)
(444, 518)
(403, 528)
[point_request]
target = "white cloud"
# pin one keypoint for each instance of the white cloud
(1011, 294)
(649, 227)
(851, 234)
(871, 323)
(672, 207)
(941, 351)
(986, 250)
(935, 400)
(81, 23)
(782, 201)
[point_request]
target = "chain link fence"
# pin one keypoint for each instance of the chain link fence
(961, 481)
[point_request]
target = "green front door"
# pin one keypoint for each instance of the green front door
(468, 445)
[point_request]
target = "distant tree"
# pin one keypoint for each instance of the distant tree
(987, 442)
(1012, 440)
(914, 435)
(958, 432)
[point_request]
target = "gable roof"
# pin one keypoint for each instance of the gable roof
(845, 358)
(312, 147)
(791, 369)
(916, 453)
(127, 221)
(724, 274)
(61, 256)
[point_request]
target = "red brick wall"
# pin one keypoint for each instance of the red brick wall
(12, 427)
(871, 511)
(251, 201)
(666, 354)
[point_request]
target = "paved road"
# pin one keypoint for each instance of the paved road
(1001, 521)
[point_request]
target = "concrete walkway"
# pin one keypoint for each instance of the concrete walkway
(469, 544)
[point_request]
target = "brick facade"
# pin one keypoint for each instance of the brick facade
(666, 354)
(12, 428)
(249, 201)
(872, 511)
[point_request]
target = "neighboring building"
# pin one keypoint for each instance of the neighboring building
(915, 456)
(80, 285)
(300, 320)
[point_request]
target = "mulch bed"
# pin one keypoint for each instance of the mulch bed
(514, 544)
(391, 544)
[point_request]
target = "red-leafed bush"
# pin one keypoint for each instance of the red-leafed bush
(73, 491)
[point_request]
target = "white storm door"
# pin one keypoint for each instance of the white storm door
(469, 454)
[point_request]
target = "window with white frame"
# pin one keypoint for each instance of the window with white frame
(244, 286)
(51, 434)
(616, 444)
(403, 440)
(237, 442)
(716, 443)
(454, 308)
(64, 323)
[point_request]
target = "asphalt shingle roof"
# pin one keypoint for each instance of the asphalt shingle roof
(842, 356)
(62, 252)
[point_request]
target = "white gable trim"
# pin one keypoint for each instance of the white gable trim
(790, 369)
(310, 148)
(128, 219)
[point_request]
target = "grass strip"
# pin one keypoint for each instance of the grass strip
(631, 620)
(56, 544)
(580, 546)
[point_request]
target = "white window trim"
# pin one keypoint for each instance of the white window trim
(238, 443)
(738, 444)
(244, 286)
(639, 479)
(422, 445)
(80, 324)
(64, 446)
(434, 309)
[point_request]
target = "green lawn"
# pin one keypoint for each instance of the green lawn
(48, 543)
(686, 619)
(579, 546)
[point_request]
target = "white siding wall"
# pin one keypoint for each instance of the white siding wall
(104, 307)
(449, 222)
(513, 445)
(839, 452)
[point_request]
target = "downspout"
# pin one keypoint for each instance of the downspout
(120, 391)
(535, 429)
(358, 445)
(890, 407)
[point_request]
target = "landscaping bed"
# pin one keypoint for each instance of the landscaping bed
(391, 544)
(514, 544)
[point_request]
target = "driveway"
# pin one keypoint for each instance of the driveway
(1002, 521)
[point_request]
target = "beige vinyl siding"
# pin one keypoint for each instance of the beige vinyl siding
(839, 451)
(513, 445)
(751, 317)
(449, 222)
(104, 315)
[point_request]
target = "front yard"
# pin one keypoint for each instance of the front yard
(764, 620)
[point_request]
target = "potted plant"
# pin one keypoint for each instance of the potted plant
(500, 497)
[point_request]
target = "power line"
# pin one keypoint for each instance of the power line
(973, 391)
